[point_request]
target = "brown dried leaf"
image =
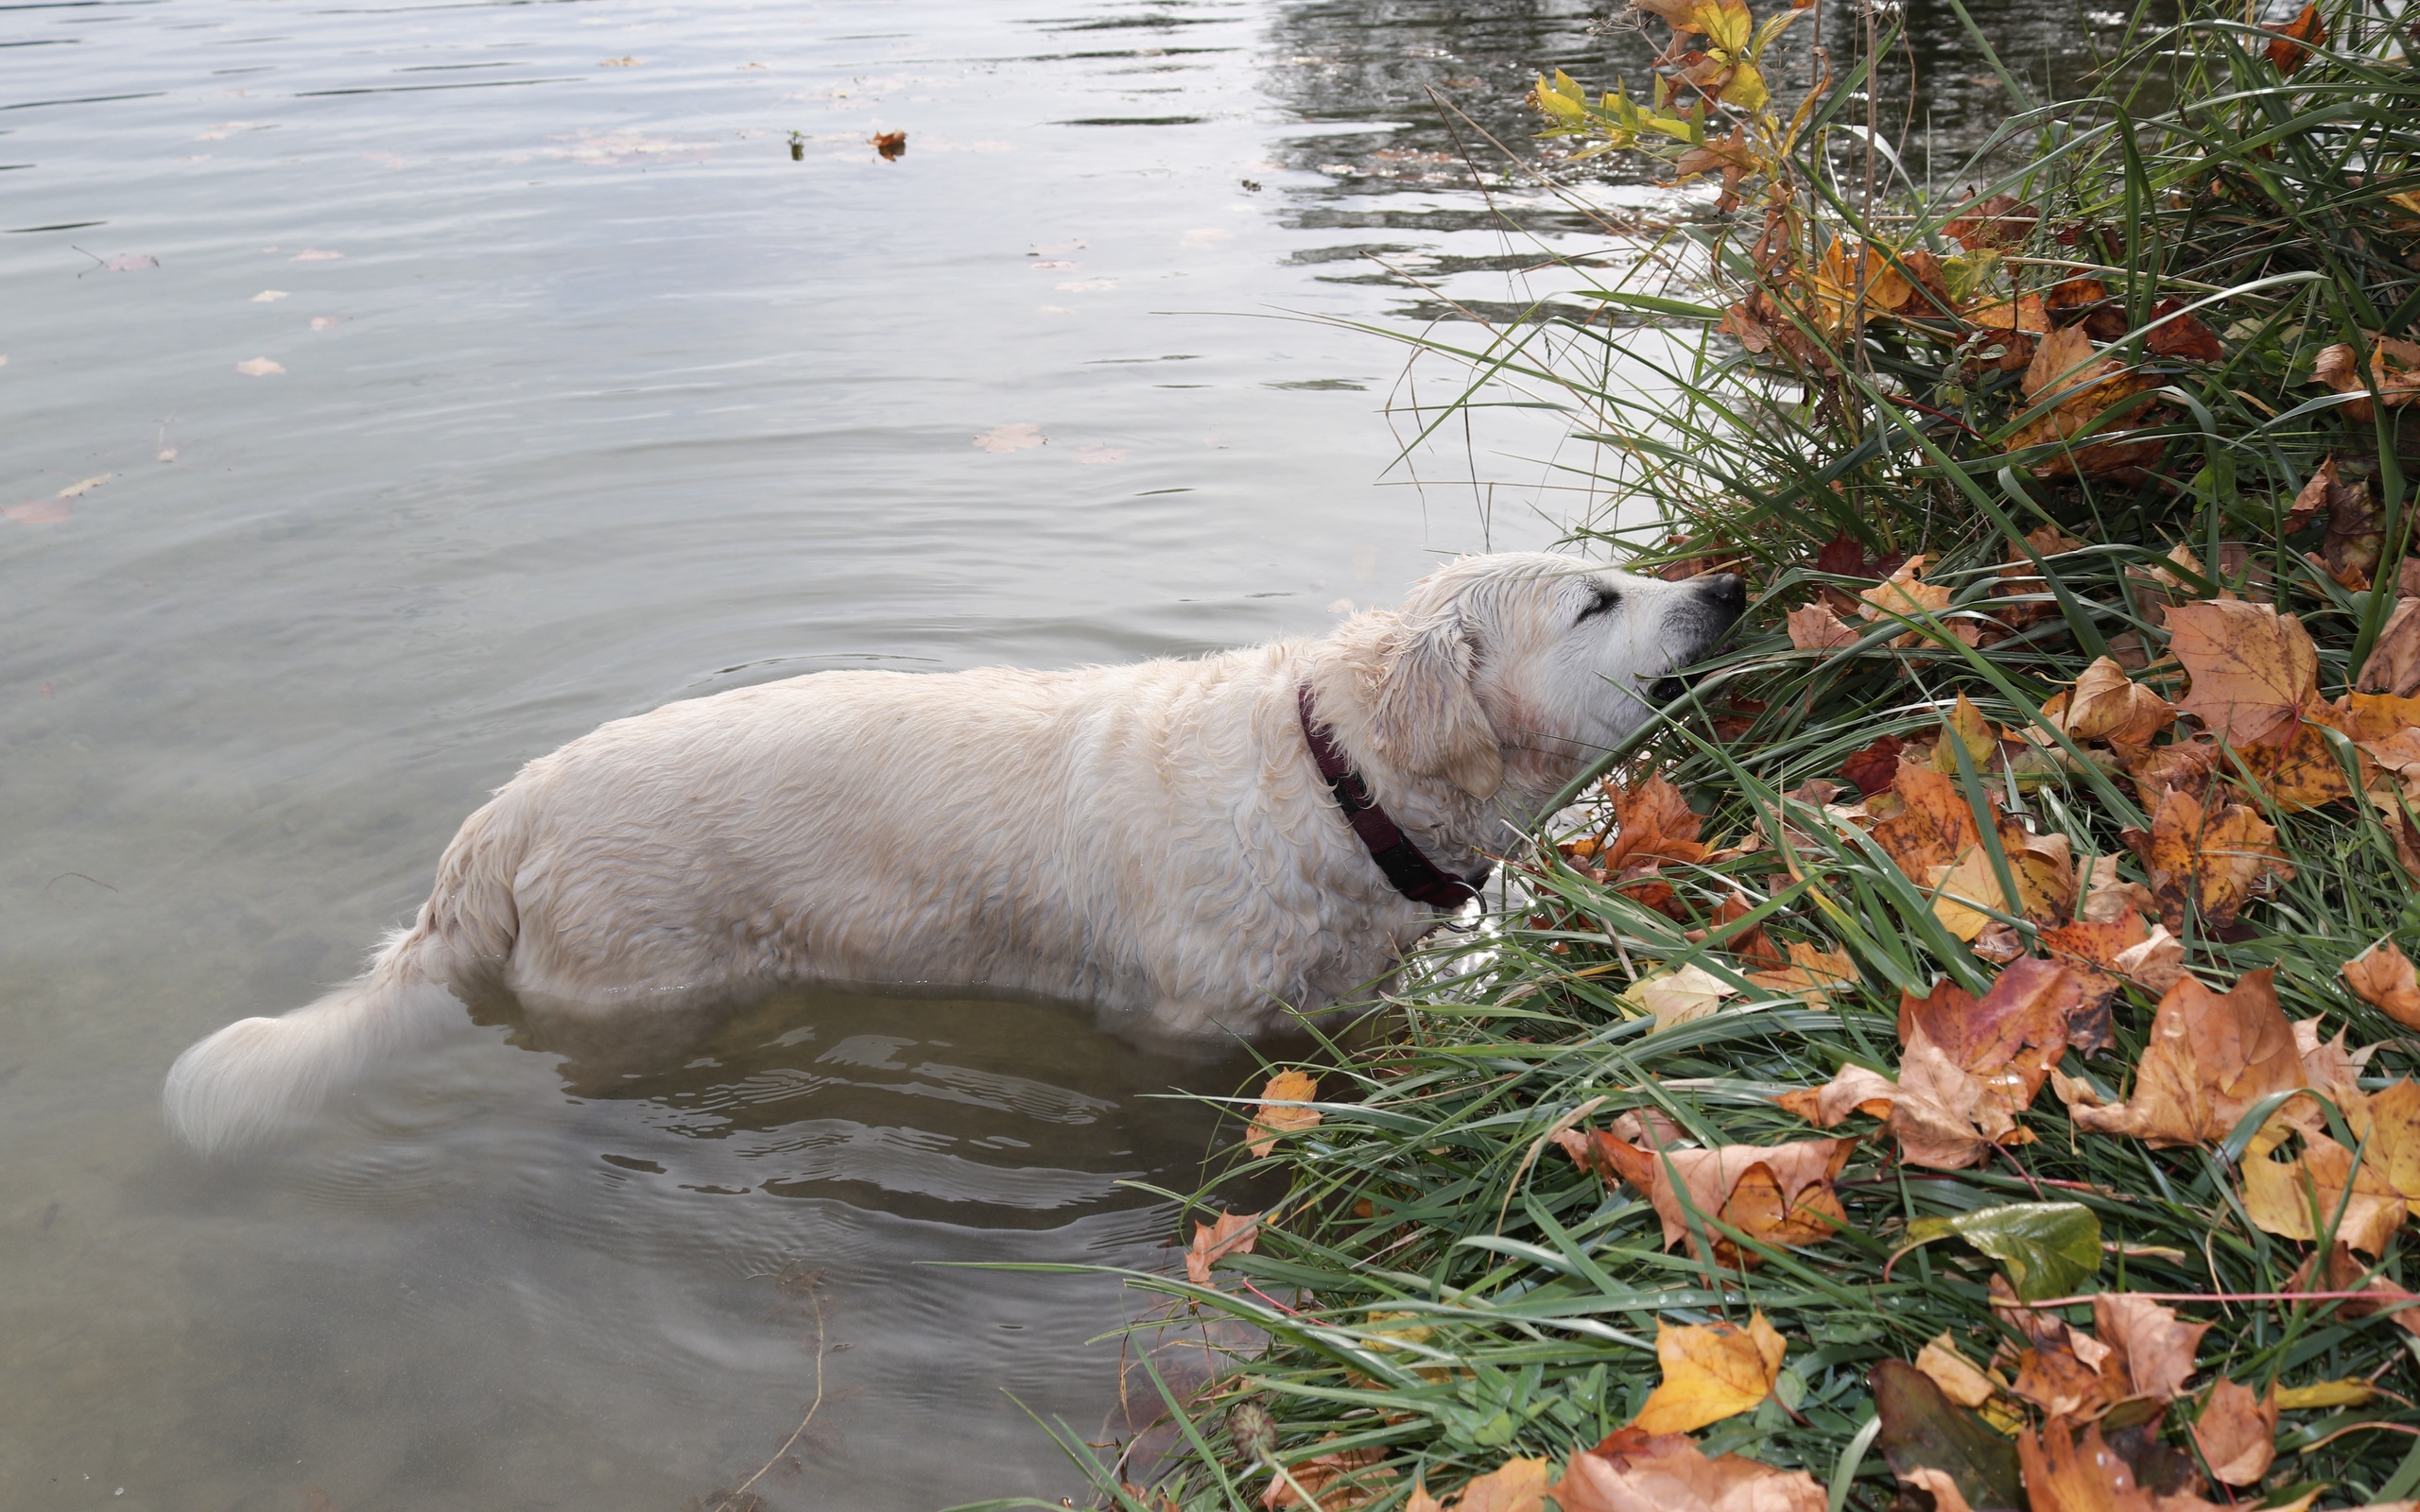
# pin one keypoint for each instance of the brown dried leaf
(2393, 665)
(2211, 861)
(2382, 976)
(1817, 629)
(2238, 1432)
(1234, 1233)
(2292, 48)
(2256, 672)
(1635, 1473)
(2210, 1056)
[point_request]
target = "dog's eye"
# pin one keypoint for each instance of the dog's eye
(1602, 599)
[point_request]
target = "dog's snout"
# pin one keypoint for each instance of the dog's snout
(1726, 593)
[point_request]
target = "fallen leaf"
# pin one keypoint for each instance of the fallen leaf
(1922, 1429)
(2323, 1189)
(1973, 1064)
(2048, 1248)
(2068, 1374)
(1775, 1193)
(2350, 1392)
(1813, 975)
(893, 146)
(2255, 671)
(2393, 665)
(1666, 1472)
(618, 63)
(1934, 829)
(2207, 862)
(2210, 1056)
(131, 262)
(2382, 976)
(1874, 767)
(1906, 594)
(1653, 823)
(1676, 998)
(1853, 1089)
(2304, 773)
(1335, 1482)
(2064, 1473)
(1515, 1486)
(258, 367)
(315, 254)
(268, 296)
(1271, 1122)
(2290, 51)
(2393, 369)
(1999, 222)
(2175, 333)
(2155, 1346)
(2107, 705)
(326, 322)
(2238, 1433)
(2340, 1272)
(1711, 1371)
(1234, 1233)
(1954, 1373)
(1817, 629)
(1011, 438)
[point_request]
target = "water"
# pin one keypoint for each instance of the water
(452, 389)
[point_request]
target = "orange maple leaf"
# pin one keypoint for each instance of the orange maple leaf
(1268, 1123)
(1711, 1371)
(2382, 976)
(1234, 1233)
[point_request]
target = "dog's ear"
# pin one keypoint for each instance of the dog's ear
(1426, 720)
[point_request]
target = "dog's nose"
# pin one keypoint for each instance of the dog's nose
(1727, 592)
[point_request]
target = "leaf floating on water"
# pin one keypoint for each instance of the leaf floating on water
(131, 262)
(268, 296)
(40, 511)
(625, 61)
(1011, 438)
(891, 145)
(315, 254)
(258, 367)
(1097, 454)
(324, 322)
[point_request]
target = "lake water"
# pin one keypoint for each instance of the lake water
(457, 376)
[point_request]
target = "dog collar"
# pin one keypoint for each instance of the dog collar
(1408, 867)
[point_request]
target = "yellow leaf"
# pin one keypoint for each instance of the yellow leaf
(1234, 1233)
(1746, 89)
(1270, 1123)
(1711, 1372)
(1726, 23)
(2350, 1392)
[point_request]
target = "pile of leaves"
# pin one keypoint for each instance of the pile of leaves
(1961, 1058)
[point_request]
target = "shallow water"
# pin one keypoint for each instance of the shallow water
(461, 375)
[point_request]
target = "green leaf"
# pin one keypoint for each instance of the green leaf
(1924, 1429)
(2048, 1248)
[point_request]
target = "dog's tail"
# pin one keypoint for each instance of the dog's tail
(257, 1078)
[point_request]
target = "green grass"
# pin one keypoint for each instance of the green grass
(2188, 168)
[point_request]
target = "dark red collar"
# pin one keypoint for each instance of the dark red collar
(1406, 866)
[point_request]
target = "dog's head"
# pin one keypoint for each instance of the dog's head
(1524, 665)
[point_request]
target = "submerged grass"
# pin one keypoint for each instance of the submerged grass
(1438, 1283)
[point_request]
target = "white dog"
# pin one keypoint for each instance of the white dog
(1180, 840)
